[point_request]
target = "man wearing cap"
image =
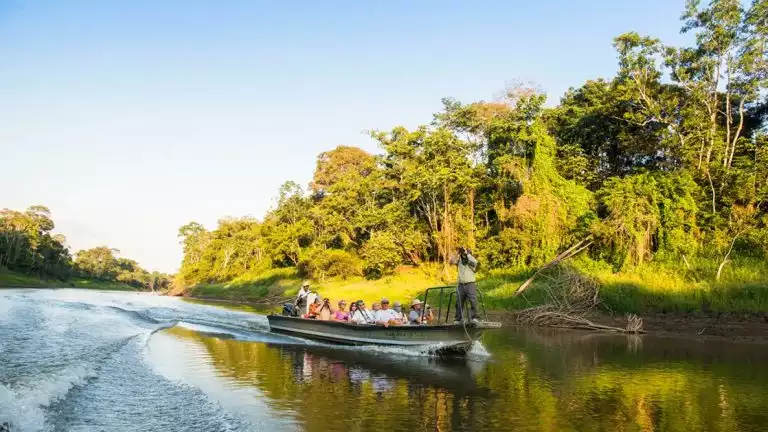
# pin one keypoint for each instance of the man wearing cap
(467, 266)
(301, 298)
(385, 315)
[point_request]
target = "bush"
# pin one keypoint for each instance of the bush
(381, 255)
(324, 263)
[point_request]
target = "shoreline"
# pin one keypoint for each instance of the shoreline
(745, 327)
(740, 327)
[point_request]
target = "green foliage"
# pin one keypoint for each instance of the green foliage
(28, 247)
(329, 263)
(381, 254)
(27, 244)
(100, 264)
(645, 213)
(664, 165)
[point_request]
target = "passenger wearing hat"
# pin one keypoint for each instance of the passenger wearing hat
(400, 314)
(414, 317)
(301, 298)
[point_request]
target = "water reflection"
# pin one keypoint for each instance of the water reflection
(535, 380)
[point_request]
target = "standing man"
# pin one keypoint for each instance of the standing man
(467, 265)
(301, 299)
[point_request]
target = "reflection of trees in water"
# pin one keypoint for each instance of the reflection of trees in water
(324, 393)
(589, 384)
(585, 381)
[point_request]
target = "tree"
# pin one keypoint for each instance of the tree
(288, 227)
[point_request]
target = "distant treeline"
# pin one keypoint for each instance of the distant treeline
(27, 246)
(667, 162)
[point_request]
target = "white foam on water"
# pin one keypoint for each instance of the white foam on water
(415, 351)
(478, 352)
(23, 406)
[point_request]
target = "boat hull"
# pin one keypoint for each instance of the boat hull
(443, 338)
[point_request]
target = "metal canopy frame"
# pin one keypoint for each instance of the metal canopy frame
(440, 291)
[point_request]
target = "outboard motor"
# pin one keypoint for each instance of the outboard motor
(289, 310)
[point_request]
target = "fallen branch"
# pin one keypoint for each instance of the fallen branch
(564, 320)
(573, 250)
(725, 259)
(572, 299)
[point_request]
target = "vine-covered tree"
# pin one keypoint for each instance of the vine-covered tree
(666, 162)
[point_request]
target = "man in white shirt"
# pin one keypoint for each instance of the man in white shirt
(361, 315)
(386, 316)
(301, 298)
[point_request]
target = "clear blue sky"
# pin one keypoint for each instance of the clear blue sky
(131, 118)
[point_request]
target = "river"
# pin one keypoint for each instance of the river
(76, 360)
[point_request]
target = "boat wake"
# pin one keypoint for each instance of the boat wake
(23, 407)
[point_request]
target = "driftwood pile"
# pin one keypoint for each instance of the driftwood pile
(572, 299)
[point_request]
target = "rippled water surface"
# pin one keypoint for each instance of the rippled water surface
(73, 360)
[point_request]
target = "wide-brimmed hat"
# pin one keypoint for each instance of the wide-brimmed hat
(305, 284)
(416, 302)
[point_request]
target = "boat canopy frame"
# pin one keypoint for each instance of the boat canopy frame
(454, 291)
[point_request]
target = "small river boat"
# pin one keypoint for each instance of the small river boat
(439, 336)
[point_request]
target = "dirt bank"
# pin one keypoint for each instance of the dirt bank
(743, 327)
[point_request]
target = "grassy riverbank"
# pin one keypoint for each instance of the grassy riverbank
(406, 284)
(16, 280)
(743, 288)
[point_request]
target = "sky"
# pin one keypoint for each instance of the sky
(131, 118)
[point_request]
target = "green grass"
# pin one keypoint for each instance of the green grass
(404, 286)
(15, 280)
(250, 287)
(743, 287)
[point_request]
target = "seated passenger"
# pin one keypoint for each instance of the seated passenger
(352, 310)
(400, 314)
(428, 315)
(414, 317)
(340, 314)
(325, 312)
(314, 308)
(387, 316)
(361, 315)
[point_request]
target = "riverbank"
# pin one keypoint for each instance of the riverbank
(16, 280)
(650, 290)
(667, 303)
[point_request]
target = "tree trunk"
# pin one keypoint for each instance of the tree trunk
(571, 251)
(725, 258)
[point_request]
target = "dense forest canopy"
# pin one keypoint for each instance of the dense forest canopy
(666, 162)
(28, 246)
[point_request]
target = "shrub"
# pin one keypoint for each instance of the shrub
(381, 255)
(324, 263)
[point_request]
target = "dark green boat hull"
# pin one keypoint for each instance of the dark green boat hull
(441, 338)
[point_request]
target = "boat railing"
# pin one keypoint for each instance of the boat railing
(452, 292)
